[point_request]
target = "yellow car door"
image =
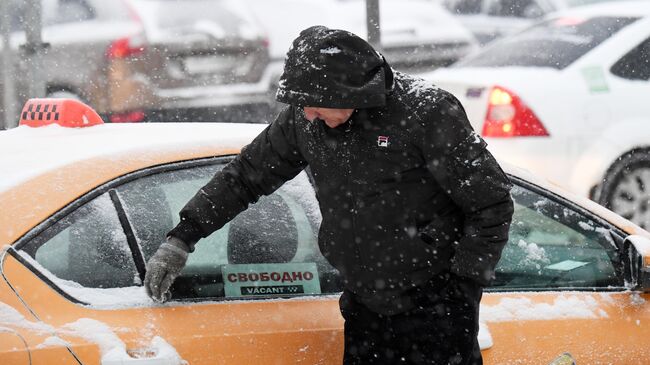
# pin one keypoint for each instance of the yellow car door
(564, 285)
(256, 291)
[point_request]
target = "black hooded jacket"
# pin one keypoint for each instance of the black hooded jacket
(406, 188)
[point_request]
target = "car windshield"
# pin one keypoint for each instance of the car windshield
(554, 43)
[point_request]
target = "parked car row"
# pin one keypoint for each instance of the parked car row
(491, 19)
(138, 60)
(207, 60)
(80, 223)
(559, 97)
(566, 99)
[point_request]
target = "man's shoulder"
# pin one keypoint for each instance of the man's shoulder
(411, 89)
(421, 99)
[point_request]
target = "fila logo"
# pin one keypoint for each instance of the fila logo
(382, 141)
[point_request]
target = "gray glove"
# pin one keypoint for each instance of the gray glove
(164, 267)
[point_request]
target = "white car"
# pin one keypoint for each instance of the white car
(416, 35)
(491, 19)
(568, 99)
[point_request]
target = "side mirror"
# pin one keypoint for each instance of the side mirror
(636, 251)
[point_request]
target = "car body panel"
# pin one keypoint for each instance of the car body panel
(307, 330)
(533, 327)
(12, 348)
(27, 340)
(527, 324)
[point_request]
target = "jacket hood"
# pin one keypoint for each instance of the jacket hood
(331, 68)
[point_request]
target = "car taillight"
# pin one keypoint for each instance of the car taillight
(126, 47)
(508, 116)
(128, 117)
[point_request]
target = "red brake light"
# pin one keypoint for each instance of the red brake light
(128, 117)
(125, 47)
(508, 116)
(64, 112)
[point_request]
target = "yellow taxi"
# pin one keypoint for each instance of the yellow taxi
(83, 205)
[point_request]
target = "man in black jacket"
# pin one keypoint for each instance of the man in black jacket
(415, 210)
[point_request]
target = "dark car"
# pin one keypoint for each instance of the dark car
(150, 60)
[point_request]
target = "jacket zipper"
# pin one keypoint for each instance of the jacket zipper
(349, 140)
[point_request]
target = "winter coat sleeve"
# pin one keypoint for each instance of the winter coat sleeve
(271, 159)
(470, 175)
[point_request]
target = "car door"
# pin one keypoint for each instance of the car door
(560, 287)
(255, 291)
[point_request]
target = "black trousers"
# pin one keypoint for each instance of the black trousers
(442, 329)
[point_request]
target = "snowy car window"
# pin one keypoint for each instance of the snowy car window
(553, 246)
(87, 247)
(515, 8)
(635, 65)
(66, 11)
(555, 43)
(464, 6)
(279, 230)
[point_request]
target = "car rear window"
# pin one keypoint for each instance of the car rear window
(217, 17)
(555, 43)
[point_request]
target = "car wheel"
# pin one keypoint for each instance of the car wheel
(626, 188)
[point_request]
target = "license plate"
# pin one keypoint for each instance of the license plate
(209, 64)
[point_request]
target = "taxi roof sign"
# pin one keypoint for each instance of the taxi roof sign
(64, 112)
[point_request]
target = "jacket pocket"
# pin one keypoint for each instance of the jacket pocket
(442, 232)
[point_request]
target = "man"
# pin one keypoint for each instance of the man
(415, 210)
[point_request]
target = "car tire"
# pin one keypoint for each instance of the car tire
(626, 188)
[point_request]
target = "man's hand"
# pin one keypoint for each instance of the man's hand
(164, 267)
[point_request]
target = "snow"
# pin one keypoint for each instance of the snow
(330, 50)
(113, 349)
(484, 336)
(524, 309)
(534, 254)
(59, 146)
(10, 316)
(52, 341)
(110, 298)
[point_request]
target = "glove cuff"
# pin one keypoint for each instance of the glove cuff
(176, 245)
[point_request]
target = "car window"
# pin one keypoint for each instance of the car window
(270, 249)
(555, 43)
(66, 11)
(635, 65)
(514, 8)
(88, 247)
(554, 246)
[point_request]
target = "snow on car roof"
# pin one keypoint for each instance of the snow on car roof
(614, 8)
(28, 152)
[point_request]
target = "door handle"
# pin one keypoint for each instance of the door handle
(143, 357)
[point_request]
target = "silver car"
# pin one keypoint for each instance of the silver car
(151, 60)
(491, 19)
